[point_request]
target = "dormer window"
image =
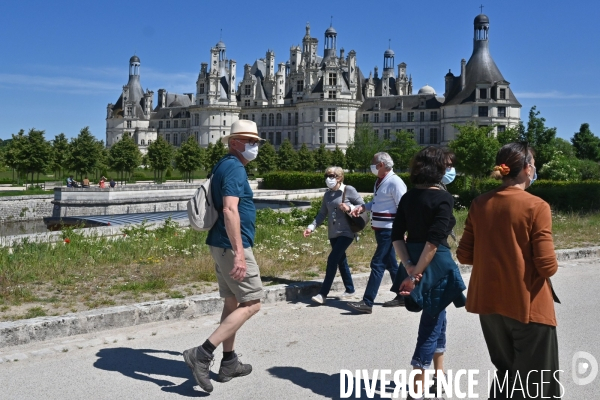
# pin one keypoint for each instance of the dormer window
(483, 94)
(332, 79)
(201, 88)
(502, 94)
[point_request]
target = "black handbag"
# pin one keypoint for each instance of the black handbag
(357, 224)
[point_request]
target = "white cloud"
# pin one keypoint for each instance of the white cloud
(553, 94)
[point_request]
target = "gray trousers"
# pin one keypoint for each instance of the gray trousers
(525, 356)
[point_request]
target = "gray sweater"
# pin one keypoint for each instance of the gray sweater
(337, 222)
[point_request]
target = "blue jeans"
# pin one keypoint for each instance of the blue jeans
(337, 259)
(384, 258)
(431, 339)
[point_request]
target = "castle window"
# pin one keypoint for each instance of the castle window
(421, 135)
(501, 128)
(332, 94)
(376, 133)
(129, 110)
(387, 117)
(184, 124)
(289, 119)
(271, 120)
(433, 116)
(299, 86)
(320, 136)
(332, 79)
(433, 136)
(296, 119)
(386, 134)
(331, 135)
(296, 137)
(143, 142)
(129, 124)
(149, 142)
(175, 124)
(483, 111)
(244, 116)
(175, 138)
(365, 117)
(331, 115)
(320, 115)
(422, 116)
(197, 137)
(376, 117)
(196, 119)
(200, 102)
(168, 124)
(160, 124)
(272, 137)
(398, 117)
(246, 103)
(483, 94)
(201, 88)
(278, 119)
(252, 117)
(410, 117)
(263, 119)
(502, 94)
(247, 90)
(277, 138)
(168, 137)
(502, 112)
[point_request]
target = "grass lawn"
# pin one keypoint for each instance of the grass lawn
(85, 273)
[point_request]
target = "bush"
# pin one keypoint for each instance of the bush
(311, 180)
(589, 170)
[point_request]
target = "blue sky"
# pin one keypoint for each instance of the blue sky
(62, 62)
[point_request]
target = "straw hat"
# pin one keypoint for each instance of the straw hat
(242, 128)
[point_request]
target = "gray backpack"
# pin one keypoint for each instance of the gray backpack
(202, 212)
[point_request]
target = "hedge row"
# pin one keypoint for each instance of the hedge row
(563, 196)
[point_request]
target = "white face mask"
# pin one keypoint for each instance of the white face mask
(250, 152)
(374, 169)
(331, 182)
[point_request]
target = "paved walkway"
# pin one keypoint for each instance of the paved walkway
(297, 350)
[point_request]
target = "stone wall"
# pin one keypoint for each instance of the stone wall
(25, 208)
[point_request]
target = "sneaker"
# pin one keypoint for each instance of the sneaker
(199, 362)
(396, 302)
(433, 388)
(346, 295)
(232, 369)
(319, 299)
(361, 307)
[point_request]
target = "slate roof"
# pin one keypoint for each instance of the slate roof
(400, 103)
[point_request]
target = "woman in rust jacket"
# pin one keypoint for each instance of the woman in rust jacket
(508, 240)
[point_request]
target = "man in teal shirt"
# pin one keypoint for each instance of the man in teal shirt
(230, 241)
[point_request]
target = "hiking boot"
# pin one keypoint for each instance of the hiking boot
(396, 302)
(361, 307)
(199, 362)
(232, 369)
(319, 299)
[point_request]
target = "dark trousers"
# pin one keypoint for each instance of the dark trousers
(384, 258)
(337, 260)
(516, 349)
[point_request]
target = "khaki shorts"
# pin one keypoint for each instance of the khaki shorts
(250, 288)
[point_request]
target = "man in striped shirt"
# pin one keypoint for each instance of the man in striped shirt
(388, 190)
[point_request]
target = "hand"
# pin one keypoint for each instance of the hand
(358, 210)
(406, 287)
(307, 232)
(344, 208)
(239, 268)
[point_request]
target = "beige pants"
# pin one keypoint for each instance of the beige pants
(250, 288)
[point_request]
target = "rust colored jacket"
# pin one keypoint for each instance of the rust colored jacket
(508, 240)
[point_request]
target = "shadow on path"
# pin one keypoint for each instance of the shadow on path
(140, 364)
(320, 383)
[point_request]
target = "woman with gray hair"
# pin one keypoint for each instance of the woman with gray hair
(337, 201)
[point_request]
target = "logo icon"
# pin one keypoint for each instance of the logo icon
(584, 368)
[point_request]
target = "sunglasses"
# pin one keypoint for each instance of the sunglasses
(330, 176)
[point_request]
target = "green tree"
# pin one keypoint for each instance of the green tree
(60, 154)
(37, 153)
(586, 144)
(560, 168)
(83, 153)
(322, 158)
(475, 148)
(160, 156)
(13, 156)
(266, 161)
(214, 154)
(565, 147)
(402, 149)
(306, 161)
(511, 135)
(338, 158)
(588, 170)
(541, 138)
(124, 156)
(188, 158)
(363, 147)
(287, 157)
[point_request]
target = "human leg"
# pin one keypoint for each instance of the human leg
(431, 334)
(500, 347)
(343, 266)
(391, 263)
(336, 258)
(378, 265)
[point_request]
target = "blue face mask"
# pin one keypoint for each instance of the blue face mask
(534, 176)
(449, 176)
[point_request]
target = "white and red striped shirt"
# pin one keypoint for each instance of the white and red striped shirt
(386, 197)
